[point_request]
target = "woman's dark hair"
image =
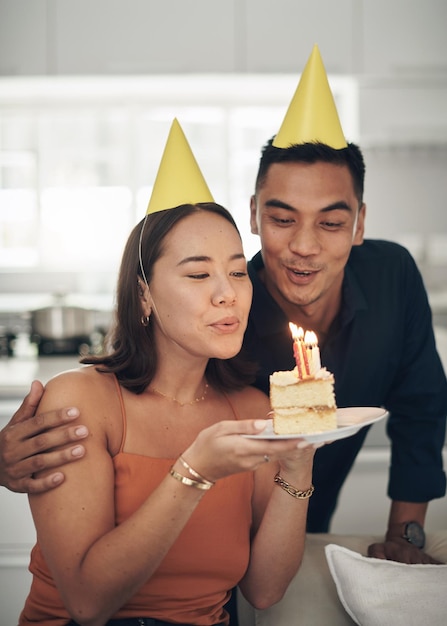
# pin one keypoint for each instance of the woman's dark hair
(131, 353)
(351, 156)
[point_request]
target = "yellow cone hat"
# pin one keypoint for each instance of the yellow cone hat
(179, 179)
(312, 115)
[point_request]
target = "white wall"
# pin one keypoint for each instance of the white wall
(364, 37)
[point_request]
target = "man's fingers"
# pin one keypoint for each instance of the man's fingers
(32, 443)
(29, 405)
(32, 448)
(51, 429)
(46, 422)
(40, 485)
(32, 485)
(377, 550)
(27, 475)
(41, 433)
(400, 552)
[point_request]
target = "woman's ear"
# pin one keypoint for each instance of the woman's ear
(140, 288)
(145, 297)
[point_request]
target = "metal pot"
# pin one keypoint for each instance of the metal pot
(62, 322)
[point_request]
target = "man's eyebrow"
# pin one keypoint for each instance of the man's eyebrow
(204, 258)
(279, 204)
(344, 206)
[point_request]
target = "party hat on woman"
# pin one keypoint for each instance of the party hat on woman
(312, 115)
(179, 179)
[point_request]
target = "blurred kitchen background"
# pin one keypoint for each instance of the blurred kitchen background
(88, 90)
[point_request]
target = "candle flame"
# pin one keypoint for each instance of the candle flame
(297, 332)
(305, 351)
(310, 338)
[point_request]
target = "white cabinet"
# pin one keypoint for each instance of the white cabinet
(279, 36)
(403, 111)
(404, 37)
(23, 37)
(144, 36)
(373, 37)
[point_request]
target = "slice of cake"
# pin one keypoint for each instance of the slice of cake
(303, 399)
(302, 406)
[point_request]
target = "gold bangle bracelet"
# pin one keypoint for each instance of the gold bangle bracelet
(195, 474)
(293, 491)
(188, 481)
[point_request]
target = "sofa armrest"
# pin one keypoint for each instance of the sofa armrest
(312, 596)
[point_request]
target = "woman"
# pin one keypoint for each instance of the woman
(171, 507)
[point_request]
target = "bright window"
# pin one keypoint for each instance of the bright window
(78, 156)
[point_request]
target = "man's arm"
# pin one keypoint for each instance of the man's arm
(30, 443)
(396, 547)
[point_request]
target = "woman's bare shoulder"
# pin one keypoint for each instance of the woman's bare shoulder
(77, 387)
(84, 375)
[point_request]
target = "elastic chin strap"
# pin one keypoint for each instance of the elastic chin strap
(140, 254)
(143, 273)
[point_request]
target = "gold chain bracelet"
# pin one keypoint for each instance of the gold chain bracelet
(293, 491)
(188, 481)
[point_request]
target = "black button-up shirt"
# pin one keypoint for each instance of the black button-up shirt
(381, 350)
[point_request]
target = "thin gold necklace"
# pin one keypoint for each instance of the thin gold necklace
(173, 399)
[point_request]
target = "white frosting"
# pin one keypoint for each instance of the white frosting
(323, 373)
(285, 378)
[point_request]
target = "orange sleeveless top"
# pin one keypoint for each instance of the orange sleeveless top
(208, 559)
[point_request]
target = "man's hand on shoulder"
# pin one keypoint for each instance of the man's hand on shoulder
(31, 443)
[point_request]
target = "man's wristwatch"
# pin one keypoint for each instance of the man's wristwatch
(414, 534)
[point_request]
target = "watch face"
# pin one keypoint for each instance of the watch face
(414, 533)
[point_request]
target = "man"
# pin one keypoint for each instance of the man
(365, 300)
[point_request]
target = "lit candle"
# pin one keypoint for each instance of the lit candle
(311, 341)
(300, 351)
(296, 348)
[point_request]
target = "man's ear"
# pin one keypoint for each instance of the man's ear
(359, 227)
(253, 216)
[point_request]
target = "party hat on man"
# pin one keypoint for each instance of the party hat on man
(312, 115)
(179, 179)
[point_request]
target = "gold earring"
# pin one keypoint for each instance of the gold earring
(145, 320)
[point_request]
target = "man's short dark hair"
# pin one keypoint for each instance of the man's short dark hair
(351, 156)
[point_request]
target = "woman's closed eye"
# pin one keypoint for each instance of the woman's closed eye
(199, 276)
(204, 275)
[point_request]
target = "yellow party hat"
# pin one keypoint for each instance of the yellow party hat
(312, 115)
(179, 179)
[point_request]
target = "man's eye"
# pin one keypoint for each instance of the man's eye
(282, 221)
(239, 274)
(332, 224)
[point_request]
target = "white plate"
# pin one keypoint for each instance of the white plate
(349, 421)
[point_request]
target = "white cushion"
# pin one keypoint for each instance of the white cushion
(312, 597)
(376, 592)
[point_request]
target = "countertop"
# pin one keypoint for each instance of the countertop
(17, 374)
